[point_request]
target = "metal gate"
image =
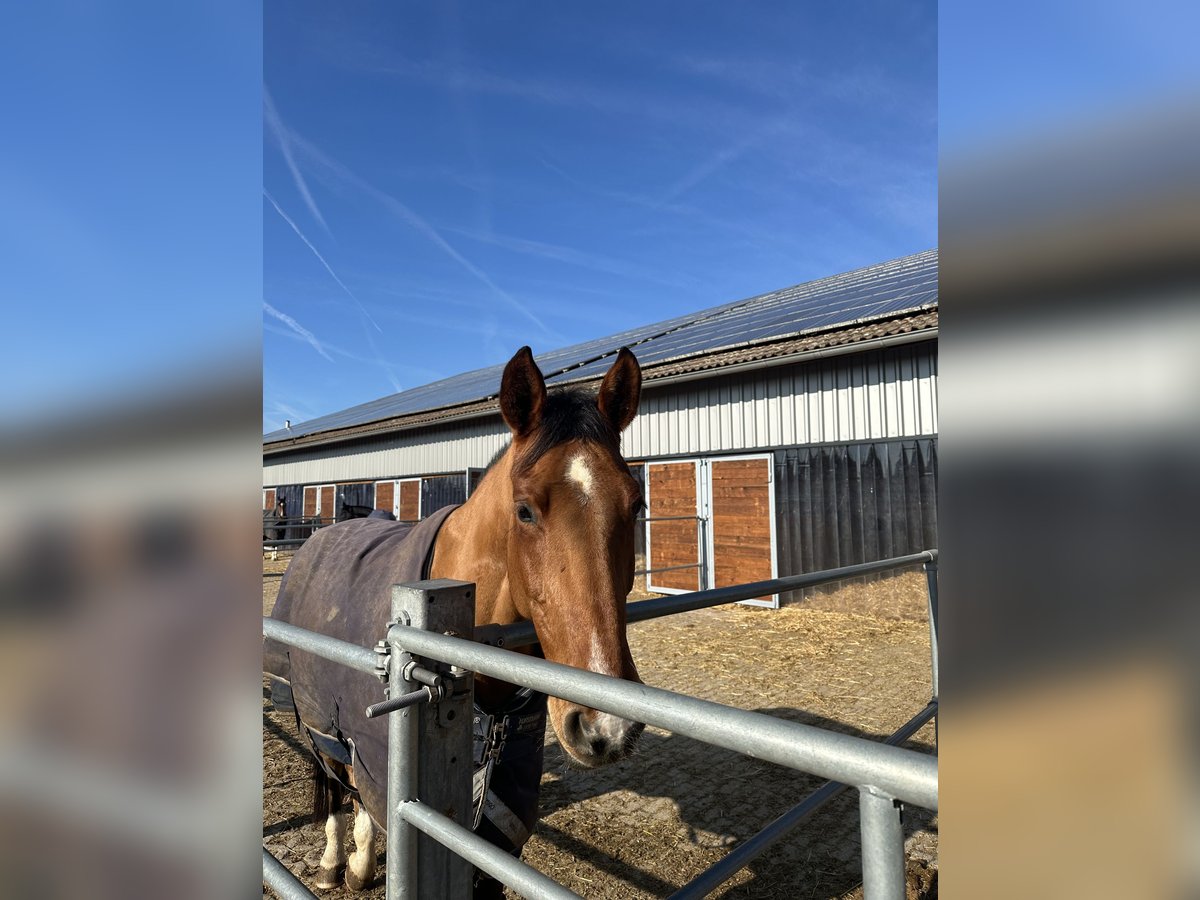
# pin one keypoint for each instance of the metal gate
(430, 850)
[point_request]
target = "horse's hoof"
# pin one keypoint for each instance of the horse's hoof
(357, 882)
(328, 879)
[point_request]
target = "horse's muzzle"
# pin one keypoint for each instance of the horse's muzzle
(593, 738)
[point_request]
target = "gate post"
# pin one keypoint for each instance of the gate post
(882, 846)
(429, 745)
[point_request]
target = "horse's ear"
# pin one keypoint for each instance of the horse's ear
(620, 391)
(522, 393)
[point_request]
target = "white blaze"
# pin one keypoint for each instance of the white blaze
(611, 726)
(598, 659)
(579, 472)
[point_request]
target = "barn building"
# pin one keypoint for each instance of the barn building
(785, 433)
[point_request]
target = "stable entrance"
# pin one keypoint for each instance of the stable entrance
(710, 523)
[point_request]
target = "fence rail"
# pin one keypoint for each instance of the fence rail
(882, 772)
(904, 774)
(522, 633)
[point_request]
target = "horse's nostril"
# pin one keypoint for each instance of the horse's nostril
(599, 746)
(573, 725)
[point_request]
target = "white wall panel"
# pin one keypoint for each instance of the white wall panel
(881, 394)
(445, 448)
(868, 396)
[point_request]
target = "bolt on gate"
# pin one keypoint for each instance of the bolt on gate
(429, 670)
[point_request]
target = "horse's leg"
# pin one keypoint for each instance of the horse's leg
(327, 801)
(360, 871)
(334, 857)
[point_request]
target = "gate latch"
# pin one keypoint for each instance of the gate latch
(433, 689)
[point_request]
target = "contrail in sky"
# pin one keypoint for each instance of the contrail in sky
(317, 254)
(420, 225)
(281, 135)
(298, 328)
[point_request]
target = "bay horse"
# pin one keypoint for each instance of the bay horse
(547, 536)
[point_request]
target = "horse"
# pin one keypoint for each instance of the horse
(351, 511)
(272, 521)
(547, 537)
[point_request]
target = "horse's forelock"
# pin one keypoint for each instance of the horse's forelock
(568, 415)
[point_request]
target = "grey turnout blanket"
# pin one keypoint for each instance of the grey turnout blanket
(339, 584)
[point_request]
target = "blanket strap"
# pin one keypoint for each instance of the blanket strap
(511, 728)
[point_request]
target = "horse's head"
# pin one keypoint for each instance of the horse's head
(571, 526)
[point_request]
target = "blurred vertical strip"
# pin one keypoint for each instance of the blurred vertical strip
(1070, 279)
(130, 761)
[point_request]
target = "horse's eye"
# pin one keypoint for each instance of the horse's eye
(638, 505)
(525, 514)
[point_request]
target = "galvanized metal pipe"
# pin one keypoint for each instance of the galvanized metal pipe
(343, 652)
(402, 764)
(694, 565)
(519, 876)
(748, 851)
(931, 576)
(905, 774)
(522, 633)
(744, 854)
(882, 846)
(283, 882)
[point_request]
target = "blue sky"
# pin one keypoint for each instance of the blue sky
(443, 184)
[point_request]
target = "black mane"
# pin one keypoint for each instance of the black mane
(568, 414)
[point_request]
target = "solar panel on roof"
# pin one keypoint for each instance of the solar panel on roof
(901, 285)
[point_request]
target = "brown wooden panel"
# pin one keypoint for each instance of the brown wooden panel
(741, 521)
(410, 501)
(385, 495)
(327, 502)
(672, 492)
(269, 498)
(310, 502)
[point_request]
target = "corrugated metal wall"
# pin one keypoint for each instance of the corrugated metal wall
(868, 396)
(844, 504)
(445, 448)
(442, 491)
(354, 495)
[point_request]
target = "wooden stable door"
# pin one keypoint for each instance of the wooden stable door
(672, 533)
(310, 502)
(710, 523)
(741, 522)
(385, 496)
(408, 509)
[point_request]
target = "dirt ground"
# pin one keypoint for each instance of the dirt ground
(646, 826)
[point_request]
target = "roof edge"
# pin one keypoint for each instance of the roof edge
(909, 327)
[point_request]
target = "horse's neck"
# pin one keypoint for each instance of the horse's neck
(473, 546)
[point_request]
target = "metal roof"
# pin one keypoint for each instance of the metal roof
(840, 301)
